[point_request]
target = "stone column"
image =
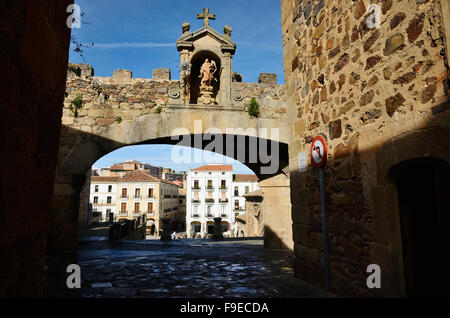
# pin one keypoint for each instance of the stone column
(225, 80)
(277, 212)
(165, 235)
(217, 235)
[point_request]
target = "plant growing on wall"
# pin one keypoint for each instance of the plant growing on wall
(118, 119)
(253, 107)
(159, 109)
(76, 104)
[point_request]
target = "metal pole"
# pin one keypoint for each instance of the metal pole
(324, 228)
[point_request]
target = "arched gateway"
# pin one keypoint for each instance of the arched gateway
(204, 109)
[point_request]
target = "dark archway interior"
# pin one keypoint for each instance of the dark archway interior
(197, 60)
(240, 147)
(424, 204)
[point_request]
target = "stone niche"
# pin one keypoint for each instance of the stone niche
(205, 44)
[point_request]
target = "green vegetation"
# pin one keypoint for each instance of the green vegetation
(118, 119)
(159, 109)
(76, 104)
(253, 108)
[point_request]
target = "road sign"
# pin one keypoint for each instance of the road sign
(318, 151)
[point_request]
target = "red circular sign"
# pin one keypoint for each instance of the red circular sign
(318, 151)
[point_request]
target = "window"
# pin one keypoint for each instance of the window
(150, 207)
(236, 204)
(208, 210)
(108, 200)
(236, 191)
(110, 188)
(223, 173)
(197, 228)
(196, 184)
(209, 172)
(210, 184)
(246, 189)
(223, 184)
(137, 193)
(222, 210)
(96, 188)
(95, 200)
(124, 192)
(123, 208)
(136, 208)
(150, 193)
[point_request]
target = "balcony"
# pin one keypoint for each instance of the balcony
(209, 215)
(223, 188)
(223, 215)
(150, 212)
(210, 200)
(196, 188)
(238, 209)
(124, 196)
(223, 200)
(136, 212)
(209, 188)
(195, 201)
(195, 215)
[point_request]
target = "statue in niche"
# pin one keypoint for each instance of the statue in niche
(207, 71)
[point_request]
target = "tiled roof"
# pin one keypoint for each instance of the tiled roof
(245, 178)
(106, 179)
(214, 168)
(138, 175)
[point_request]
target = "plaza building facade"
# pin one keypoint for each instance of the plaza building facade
(134, 194)
(212, 192)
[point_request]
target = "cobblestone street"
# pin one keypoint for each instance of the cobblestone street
(187, 268)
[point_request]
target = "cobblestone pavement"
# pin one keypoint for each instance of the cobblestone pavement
(187, 268)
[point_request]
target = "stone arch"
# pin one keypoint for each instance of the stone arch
(386, 251)
(79, 150)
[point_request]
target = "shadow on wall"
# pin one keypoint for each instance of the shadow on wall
(376, 215)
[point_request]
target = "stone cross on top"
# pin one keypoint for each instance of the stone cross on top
(206, 16)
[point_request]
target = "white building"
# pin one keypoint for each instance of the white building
(243, 184)
(209, 196)
(214, 191)
(102, 198)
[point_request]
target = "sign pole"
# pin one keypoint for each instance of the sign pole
(324, 228)
(318, 159)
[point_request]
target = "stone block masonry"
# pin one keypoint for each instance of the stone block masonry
(110, 100)
(360, 88)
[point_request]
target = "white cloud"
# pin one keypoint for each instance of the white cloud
(131, 45)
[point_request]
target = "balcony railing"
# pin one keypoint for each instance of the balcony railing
(209, 215)
(195, 188)
(151, 212)
(223, 200)
(136, 212)
(238, 209)
(195, 201)
(223, 215)
(124, 196)
(195, 215)
(209, 200)
(209, 188)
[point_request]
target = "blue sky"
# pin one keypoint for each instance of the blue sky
(161, 156)
(140, 35)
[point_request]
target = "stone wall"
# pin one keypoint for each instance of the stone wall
(360, 88)
(35, 44)
(110, 100)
